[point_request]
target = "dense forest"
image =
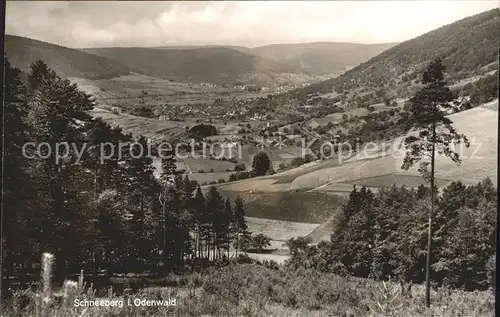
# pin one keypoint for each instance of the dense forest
(374, 238)
(96, 214)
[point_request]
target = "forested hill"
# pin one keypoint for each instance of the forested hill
(206, 64)
(67, 62)
(468, 47)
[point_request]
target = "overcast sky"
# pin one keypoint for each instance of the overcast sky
(100, 24)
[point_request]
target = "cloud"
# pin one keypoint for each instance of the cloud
(126, 23)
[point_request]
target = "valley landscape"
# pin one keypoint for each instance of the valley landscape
(285, 176)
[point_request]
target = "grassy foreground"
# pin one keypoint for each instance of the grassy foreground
(249, 289)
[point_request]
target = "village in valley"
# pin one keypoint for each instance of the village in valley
(303, 171)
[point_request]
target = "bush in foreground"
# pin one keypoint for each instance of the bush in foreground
(254, 290)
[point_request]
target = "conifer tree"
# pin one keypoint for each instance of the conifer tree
(16, 193)
(215, 212)
(434, 132)
(239, 224)
(226, 234)
(200, 218)
(141, 195)
(57, 113)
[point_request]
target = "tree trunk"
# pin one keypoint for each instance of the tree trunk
(96, 170)
(165, 257)
(429, 235)
(237, 243)
(198, 243)
(207, 247)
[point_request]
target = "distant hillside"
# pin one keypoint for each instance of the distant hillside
(468, 47)
(318, 58)
(190, 47)
(65, 61)
(206, 64)
(322, 57)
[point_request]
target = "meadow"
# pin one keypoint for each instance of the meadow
(151, 128)
(478, 161)
(251, 289)
(133, 89)
(279, 230)
(295, 206)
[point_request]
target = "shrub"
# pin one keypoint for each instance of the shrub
(260, 242)
(240, 167)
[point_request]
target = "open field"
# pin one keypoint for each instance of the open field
(339, 188)
(492, 105)
(136, 89)
(409, 181)
(150, 128)
(256, 185)
(324, 231)
(206, 178)
(279, 230)
(307, 207)
(195, 165)
(281, 181)
(277, 155)
(157, 129)
(193, 174)
(479, 161)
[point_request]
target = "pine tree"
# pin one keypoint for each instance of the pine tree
(352, 244)
(239, 225)
(17, 217)
(99, 137)
(110, 229)
(226, 235)
(142, 196)
(200, 219)
(117, 163)
(215, 212)
(434, 132)
(56, 114)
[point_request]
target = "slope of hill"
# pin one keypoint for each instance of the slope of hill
(322, 57)
(155, 130)
(190, 47)
(207, 64)
(479, 124)
(465, 47)
(376, 169)
(65, 61)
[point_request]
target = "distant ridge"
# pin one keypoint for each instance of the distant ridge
(465, 46)
(317, 58)
(220, 64)
(322, 57)
(67, 62)
(208, 64)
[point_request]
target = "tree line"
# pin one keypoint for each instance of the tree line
(94, 214)
(384, 235)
